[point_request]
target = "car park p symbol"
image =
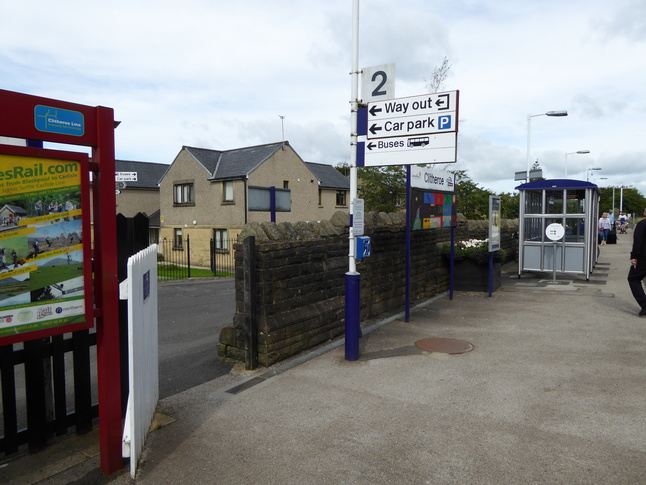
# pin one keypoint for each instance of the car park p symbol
(444, 122)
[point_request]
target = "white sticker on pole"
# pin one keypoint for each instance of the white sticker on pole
(358, 218)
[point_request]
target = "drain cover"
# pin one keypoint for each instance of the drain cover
(444, 345)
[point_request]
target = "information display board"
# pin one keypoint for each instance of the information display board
(433, 199)
(45, 259)
(431, 210)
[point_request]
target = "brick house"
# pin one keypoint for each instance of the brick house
(211, 194)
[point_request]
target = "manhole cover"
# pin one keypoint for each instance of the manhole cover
(444, 345)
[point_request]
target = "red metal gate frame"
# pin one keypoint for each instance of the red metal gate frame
(18, 120)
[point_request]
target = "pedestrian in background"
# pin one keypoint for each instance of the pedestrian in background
(604, 228)
(637, 270)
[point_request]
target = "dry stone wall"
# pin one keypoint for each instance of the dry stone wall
(300, 270)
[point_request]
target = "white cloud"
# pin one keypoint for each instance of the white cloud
(218, 74)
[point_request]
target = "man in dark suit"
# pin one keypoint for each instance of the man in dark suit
(638, 265)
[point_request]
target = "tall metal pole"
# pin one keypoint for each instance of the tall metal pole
(529, 134)
(352, 277)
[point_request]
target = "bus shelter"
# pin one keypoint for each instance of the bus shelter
(572, 203)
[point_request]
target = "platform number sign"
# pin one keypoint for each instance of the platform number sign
(378, 82)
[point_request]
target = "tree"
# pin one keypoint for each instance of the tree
(439, 76)
(535, 167)
(344, 168)
(633, 201)
(382, 188)
(509, 205)
(472, 201)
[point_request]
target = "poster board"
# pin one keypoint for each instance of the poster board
(45, 251)
(433, 200)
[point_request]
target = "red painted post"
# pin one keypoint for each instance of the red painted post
(107, 295)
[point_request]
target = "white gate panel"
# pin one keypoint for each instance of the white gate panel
(140, 289)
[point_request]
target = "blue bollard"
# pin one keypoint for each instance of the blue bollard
(352, 315)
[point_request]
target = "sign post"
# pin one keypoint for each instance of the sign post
(554, 232)
(494, 234)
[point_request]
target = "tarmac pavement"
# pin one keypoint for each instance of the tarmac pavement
(553, 391)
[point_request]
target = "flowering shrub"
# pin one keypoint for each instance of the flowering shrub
(476, 250)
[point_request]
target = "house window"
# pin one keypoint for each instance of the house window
(183, 194)
(221, 240)
(177, 239)
(227, 191)
(341, 197)
(320, 197)
(285, 184)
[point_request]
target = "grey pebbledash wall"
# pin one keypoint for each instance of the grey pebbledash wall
(300, 270)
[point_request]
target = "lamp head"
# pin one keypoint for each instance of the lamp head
(583, 152)
(557, 113)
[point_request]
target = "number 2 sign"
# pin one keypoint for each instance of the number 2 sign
(377, 83)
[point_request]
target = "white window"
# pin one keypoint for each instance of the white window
(177, 239)
(221, 240)
(227, 191)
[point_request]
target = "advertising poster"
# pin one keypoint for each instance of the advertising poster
(494, 223)
(42, 258)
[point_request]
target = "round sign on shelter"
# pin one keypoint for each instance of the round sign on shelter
(555, 231)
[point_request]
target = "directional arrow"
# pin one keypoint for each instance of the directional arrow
(371, 146)
(374, 110)
(441, 100)
(374, 129)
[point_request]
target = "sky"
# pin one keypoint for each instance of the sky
(220, 75)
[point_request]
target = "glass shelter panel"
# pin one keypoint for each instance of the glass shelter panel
(554, 201)
(575, 201)
(533, 229)
(575, 229)
(534, 202)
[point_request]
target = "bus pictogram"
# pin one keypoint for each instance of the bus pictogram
(420, 141)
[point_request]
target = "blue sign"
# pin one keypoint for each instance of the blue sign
(146, 285)
(363, 247)
(57, 120)
(444, 122)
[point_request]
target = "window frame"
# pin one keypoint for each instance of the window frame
(178, 236)
(183, 190)
(225, 184)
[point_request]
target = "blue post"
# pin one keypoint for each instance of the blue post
(272, 203)
(490, 273)
(408, 240)
(352, 315)
(451, 265)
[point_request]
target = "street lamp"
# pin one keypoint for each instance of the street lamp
(590, 170)
(529, 131)
(580, 152)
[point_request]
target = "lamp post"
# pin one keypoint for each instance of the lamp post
(529, 131)
(589, 171)
(580, 152)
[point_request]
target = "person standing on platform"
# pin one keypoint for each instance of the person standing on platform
(637, 270)
(604, 228)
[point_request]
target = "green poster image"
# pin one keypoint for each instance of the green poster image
(42, 268)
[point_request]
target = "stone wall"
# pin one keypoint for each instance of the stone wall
(300, 270)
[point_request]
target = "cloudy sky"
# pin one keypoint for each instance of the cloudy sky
(220, 74)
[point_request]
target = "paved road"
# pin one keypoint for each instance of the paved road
(191, 314)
